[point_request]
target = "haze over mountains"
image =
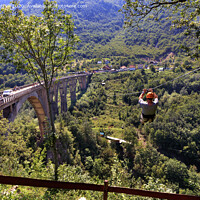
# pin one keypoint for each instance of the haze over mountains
(100, 27)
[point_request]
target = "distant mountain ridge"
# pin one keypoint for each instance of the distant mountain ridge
(100, 28)
(33, 2)
(88, 9)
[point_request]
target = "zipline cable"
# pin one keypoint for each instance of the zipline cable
(177, 78)
(132, 93)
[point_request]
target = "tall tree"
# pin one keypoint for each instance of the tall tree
(41, 45)
(187, 16)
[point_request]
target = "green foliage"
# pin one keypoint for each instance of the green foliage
(40, 45)
(176, 172)
(100, 28)
(168, 158)
(156, 185)
(183, 15)
(159, 156)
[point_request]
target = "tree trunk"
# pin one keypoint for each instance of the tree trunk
(53, 132)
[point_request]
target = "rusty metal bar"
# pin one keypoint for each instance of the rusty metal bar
(145, 193)
(105, 195)
(49, 184)
(84, 186)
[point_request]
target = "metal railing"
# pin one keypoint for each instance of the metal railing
(19, 94)
(9, 180)
(12, 97)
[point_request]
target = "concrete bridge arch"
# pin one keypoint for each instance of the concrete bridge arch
(37, 102)
(36, 95)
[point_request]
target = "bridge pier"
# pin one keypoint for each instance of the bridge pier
(63, 95)
(82, 82)
(42, 109)
(38, 100)
(54, 99)
(37, 96)
(8, 112)
(72, 87)
(40, 114)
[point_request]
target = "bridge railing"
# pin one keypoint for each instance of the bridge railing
(9, 180)
(18, 94)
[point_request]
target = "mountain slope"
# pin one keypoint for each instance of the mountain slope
(100, 28)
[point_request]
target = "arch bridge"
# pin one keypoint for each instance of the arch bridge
(36, 95)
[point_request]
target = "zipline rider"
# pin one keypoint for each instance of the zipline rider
(148, 107)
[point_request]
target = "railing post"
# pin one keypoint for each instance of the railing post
(105, 195)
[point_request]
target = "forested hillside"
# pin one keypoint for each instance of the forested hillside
(160, 156)
(99, 25)
(100, 28)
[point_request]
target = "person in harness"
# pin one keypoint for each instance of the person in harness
(149, 106)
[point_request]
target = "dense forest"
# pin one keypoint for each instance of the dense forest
(160, 156)
(99, 25)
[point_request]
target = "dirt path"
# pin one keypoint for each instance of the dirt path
(141, 138)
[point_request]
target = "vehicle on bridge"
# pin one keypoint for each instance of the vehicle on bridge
(7, 93)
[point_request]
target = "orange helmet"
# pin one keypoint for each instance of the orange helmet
(150, 95)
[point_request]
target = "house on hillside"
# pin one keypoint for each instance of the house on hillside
(140, 66)
(132, 68)
(107, 62)
(114, 71)
(161, 69)
(123, 68)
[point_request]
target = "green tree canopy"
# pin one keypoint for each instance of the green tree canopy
(41, 45)
(186, 14)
